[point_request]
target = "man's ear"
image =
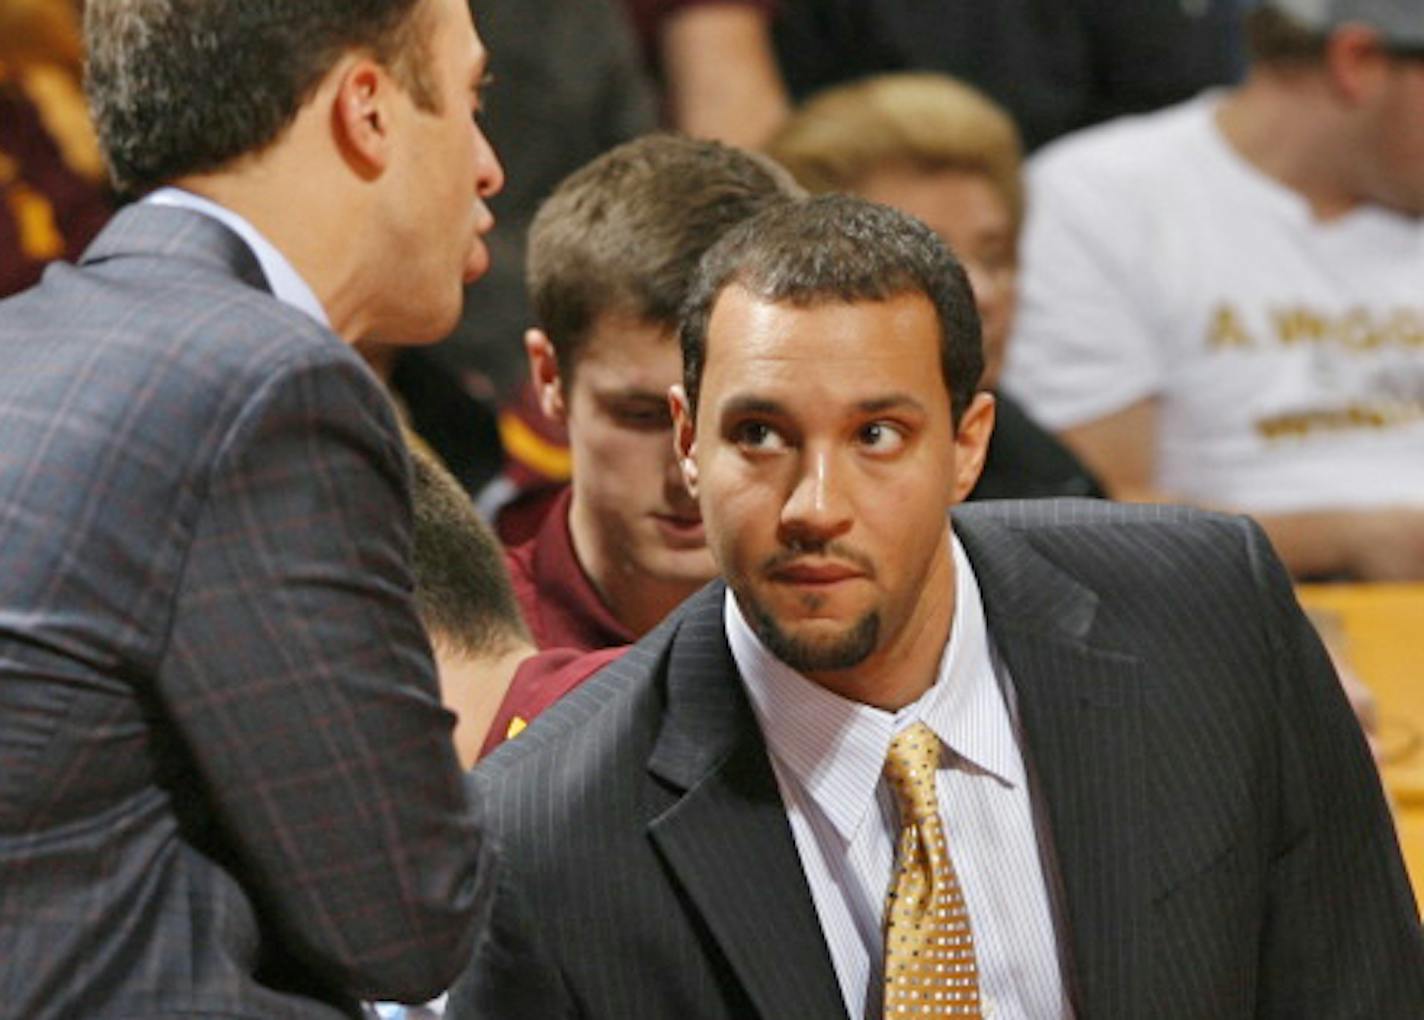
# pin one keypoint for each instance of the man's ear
(1358, 63)
(544, 375)
(971, 443)
(362, 113)
(684, 437)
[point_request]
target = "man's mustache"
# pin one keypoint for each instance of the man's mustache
(797, 550)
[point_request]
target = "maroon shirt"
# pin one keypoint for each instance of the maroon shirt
(559, 602)
(540, 681)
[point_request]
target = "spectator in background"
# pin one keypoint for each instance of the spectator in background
(1222, 302)
(717, 66)
(227, 784)
(610, 255)
(1056, 65)
(52, 198)
(947, 154)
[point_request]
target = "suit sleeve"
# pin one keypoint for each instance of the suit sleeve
(1342, 936)
(301, 684)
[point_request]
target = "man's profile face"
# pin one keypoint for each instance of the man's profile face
(632, 513)
(825, 461)
(444, 171)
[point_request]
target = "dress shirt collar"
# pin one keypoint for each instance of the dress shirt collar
(836, 748)
(286, 283)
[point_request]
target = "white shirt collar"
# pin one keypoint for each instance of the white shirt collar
(286, 283)
(836, 747)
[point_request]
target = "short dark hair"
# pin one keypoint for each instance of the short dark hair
(182, 88)
(1274, 38)
(462, 589)
(624, 232)
(839, 248)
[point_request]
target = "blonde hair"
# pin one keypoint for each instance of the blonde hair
(921, 122)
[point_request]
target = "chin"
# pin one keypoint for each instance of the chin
(436, 323)
(692, 567)
(819, 646)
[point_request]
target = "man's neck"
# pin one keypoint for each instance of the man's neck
(1284, 124)
(473, 687)
(264, 190)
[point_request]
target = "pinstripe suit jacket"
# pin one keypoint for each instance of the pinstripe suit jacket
(226, 783)
(1223, 844)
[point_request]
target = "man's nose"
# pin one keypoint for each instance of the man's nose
(817, 507)
(489, 180)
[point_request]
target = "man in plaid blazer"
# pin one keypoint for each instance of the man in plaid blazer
(227, 785)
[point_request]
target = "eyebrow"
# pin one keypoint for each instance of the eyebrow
(751, 405)
(890, 402)
(875, 405)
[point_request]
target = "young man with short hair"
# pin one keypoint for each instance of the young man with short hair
(610, 255)
(491, 675)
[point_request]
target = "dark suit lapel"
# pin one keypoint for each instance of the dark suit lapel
(145, 229)
(726, 839)
(1083, 715)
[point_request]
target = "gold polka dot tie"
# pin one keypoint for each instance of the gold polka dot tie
(929, 948)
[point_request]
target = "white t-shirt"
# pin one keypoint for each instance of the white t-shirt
(1287, 354)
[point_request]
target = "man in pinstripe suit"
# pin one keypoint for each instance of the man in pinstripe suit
(227, 785)
(1155, 798)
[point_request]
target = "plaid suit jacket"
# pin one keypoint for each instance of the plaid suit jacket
(1219, 829)
(227, 785)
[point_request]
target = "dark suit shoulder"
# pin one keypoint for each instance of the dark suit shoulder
(1128, 577)
(1144, 542)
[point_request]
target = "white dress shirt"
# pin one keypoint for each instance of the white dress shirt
(286, 283)
(828, 754)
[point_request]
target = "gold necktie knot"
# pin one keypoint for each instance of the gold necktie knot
(910, 768)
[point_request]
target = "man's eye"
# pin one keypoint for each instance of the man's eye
(643, 419)
(882, 437)
(756, 435)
